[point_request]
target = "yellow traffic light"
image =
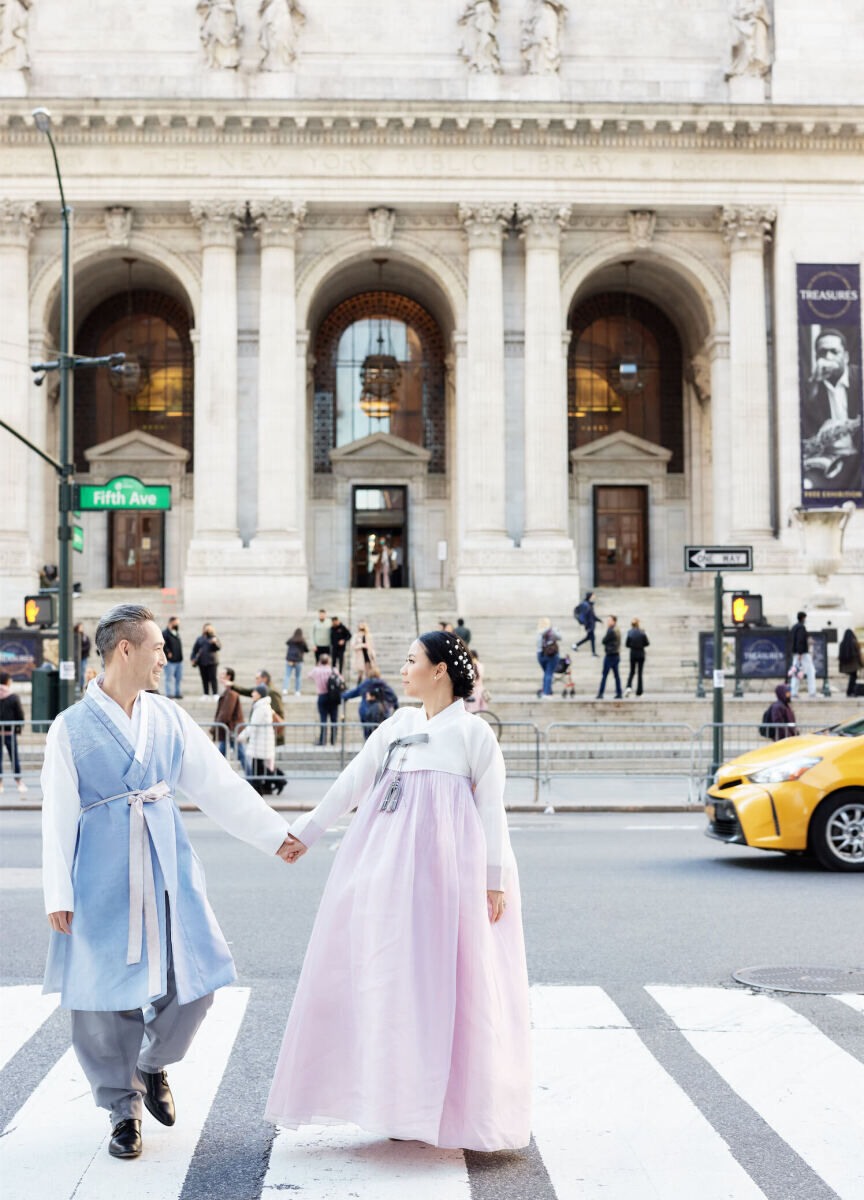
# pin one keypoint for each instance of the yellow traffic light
(31, 611)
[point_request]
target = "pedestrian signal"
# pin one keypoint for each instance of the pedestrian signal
(746, 609)
(38, 610)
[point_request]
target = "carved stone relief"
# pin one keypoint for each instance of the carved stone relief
(751, 38)
(641, 226)
(14, 22)
(281, 22)
(220, 32)
(541, 37)
(479, 46)
(118, 225)
(382, 222)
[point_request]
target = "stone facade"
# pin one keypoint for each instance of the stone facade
(504, 158)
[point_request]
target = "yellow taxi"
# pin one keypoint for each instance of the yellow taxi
(799, 794)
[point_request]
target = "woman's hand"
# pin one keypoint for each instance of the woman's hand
(291, 849)
(497, 904)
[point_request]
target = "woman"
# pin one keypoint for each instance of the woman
(260, 740)
(636, 642)
(363, 651)
(411, 1015)
(329, 697)
(382, 565)
(205, 656)
(548, 641)
(476, 702)
(849, 660)
(295, 648)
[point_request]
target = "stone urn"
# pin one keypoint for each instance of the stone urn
(821, 532)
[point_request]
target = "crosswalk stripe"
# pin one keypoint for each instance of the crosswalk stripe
(23, 1009)
(609, 1122)
(853, 1000)
(805, 1086)
(330, 1162)
(78, 1163)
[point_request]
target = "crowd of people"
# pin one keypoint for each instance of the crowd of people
(553, 662)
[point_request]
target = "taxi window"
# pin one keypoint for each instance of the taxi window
(853, 728)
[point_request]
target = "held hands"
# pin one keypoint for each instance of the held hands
(291, 849)
(497, 904)
(60, 921)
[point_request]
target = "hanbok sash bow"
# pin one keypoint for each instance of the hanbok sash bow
(408, 740)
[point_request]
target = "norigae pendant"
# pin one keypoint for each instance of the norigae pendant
(391, 797)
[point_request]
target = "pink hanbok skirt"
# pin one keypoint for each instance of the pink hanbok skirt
(411, 1015)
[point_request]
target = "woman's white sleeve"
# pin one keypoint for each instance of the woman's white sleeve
(348, 790)
(488, 776)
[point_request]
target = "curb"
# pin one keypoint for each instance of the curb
(515, 808)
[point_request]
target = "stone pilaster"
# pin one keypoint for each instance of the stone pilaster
(746, 229)
(18, 575)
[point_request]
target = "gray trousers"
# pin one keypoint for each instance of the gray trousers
(113, 1047)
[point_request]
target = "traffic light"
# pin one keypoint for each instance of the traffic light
(746, 609)
(39, 610)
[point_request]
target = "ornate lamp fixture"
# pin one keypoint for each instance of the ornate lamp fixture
(381, 372)
(132, 376)
(624, 370)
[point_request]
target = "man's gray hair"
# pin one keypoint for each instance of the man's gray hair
(122, 622)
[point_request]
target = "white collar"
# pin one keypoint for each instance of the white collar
(843, 381)
(133, 728)
(456, 709)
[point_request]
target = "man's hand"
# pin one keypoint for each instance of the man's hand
(291, 849)
(60, 921)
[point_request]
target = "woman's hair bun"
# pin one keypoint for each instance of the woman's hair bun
(452, 651)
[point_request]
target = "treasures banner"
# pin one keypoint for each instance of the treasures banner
(829, 372)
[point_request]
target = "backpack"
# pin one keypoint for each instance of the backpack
(376, 712)
(549, 644)
(767, 729)
(335, 687)
(580, 612)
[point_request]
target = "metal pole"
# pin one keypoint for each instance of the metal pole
(718, 672)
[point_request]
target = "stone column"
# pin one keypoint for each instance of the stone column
(17, 567)
(281, 448)
(746, 229)
(480, 404)
(545, 377)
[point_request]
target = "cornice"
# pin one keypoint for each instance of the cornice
(754, 128)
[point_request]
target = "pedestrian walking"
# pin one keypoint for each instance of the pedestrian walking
(113, 763)
(477, 701)
(850, 661)
(611, 657)
(321, 634)
(462, 631)
(229, 714)
(362, 651)
(276, 704)
(383, 563)
(378, 701)
(802, 659)
(418, 936)
(636, 642)
(173, 671)
(84, 654)
(261, 743)
(548, 643)
(329, 685)
(205, 656)
(587, 617)
(10, 710)
(340, 636)
(295, 649)
(778, 720)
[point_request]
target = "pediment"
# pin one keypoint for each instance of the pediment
(137, 447)
(621, 446)
(380, 447)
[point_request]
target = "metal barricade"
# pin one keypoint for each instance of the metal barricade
(738, 739)
(520, 743)
(24, 741)
(303, 754)
(608, 748)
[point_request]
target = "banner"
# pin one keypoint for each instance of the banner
(829, 373)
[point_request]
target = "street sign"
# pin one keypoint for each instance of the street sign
(122, 492)
(38, 610)
(78, 539)
(718, 558)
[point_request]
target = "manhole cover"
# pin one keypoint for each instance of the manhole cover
(821, 981)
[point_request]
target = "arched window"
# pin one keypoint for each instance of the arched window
(350, 333)
(164, 403)
(602, 335)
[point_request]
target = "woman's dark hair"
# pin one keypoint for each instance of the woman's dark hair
(452, 651)
(297, 635)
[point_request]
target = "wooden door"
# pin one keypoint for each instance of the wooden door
(137, 542)
(620, 537)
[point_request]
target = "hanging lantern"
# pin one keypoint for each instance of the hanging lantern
(131, 377)
(624, 371)
(381, 373)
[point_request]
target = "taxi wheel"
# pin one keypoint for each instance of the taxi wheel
(836, 834)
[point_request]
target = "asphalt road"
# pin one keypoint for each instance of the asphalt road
(618, 902)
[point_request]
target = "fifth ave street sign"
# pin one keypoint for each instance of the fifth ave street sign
(718, 558)
(123, 491)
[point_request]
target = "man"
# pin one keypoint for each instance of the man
(462, 631)
(340, 635)
(119, 873)
(174, 655)
(802, 659)
(586, 615)
(229, 714)
(321, 635)
(611, 657)
(275, 702)
(10, 710)
(831, 417)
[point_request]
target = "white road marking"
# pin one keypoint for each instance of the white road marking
(78, 1164)
(853, 999)
(609, 1122)
(798, 1080)
(22, 1010)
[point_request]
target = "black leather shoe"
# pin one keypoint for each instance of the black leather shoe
(126, 1139)
(157, 1098)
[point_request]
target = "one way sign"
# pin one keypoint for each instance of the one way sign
(718, 558)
